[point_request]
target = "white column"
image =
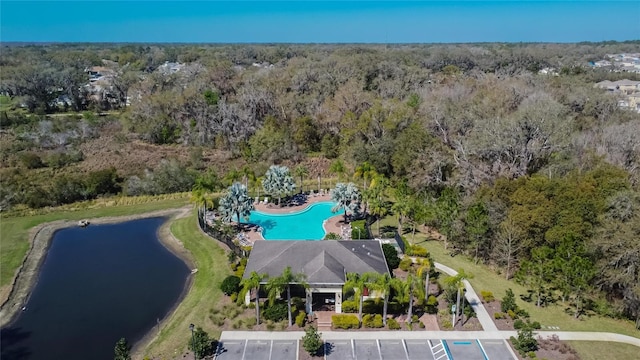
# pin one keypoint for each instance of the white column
(339, 302)
(309, 301)
(247, 298)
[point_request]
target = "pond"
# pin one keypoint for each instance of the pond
(96, 285)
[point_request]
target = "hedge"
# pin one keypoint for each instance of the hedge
(345, 321)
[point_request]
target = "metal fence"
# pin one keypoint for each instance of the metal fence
(400, 242)
(217, 234)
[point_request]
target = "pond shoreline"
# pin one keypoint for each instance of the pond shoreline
(40, 238)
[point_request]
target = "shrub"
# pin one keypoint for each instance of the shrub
(446, 324)
(234, 297)
(250, 322)
(518, 324)
(372, 321)
(230, 285)
(522, 313)
(391, 255)
(417, 250)
(31, 160)
(345, 321)
(421, 325)
(392, 324)
(525, 341)
(217, 319)
(509, 302)
(415, 319)
(405, 264)
(487, 296)
(350, 306)
(372, 306)
(252, 305)
(202, 342)
(362, 233)
(276, 312)
(332, 236)
(536, 325)
(512, 314)
(271, 326)
(312, 341)
(498, 316)
(239, 271)
(432, 305)
(301, 319)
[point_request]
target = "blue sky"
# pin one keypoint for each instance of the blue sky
(319, 21)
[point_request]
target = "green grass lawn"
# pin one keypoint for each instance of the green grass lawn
(14, 230)
(487, 279)
(204, 295)
(597, 350)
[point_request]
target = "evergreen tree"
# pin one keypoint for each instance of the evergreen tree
(122, 350)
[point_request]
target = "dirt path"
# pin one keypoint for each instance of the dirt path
(39, 239)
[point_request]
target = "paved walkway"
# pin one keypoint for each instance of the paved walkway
(453, 335)
(481, 313)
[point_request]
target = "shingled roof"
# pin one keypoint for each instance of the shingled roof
(323, 262)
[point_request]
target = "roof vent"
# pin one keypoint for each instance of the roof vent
(363, 246)
(369, 253)
(353, 249)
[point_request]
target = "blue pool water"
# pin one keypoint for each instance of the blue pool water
(301, 225)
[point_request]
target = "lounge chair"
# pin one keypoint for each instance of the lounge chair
(266, 200)
(257, 200)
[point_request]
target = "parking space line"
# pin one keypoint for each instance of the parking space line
(484, 353)
(271, 350)
(379, 350)
(298, 350)
(406, 351)
(353, 349)
(245, 348)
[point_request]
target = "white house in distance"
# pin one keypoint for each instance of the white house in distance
(325, 265)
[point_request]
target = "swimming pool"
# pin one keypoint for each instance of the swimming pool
(301, 225)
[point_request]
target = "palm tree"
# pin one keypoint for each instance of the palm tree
(248, 175)
(406, 290)
(236, 202)
(232, 176)
(379, 209)
(365, 171)
(251, 283)
(358, 283)
(301, 171)
(383, 282)
(347, 197)
(417, 215)
(457, 282)
(283, 282)
(402, 206)
(337, 167)
(204, 184)
(425, 266)
(277, 181)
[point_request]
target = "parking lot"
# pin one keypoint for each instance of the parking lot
(378, 349)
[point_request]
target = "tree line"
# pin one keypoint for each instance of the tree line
(535, 175)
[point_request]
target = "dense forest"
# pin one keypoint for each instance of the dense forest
(534, 174)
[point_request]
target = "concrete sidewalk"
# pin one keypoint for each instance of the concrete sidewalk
(481, 313)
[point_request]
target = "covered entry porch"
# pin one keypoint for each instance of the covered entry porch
(323, 299)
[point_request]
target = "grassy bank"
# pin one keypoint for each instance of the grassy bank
(14, 241)
(554, 315)
(488, 279)
(211, 261)
(596, 350)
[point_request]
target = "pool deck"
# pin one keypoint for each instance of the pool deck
(334, 224)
